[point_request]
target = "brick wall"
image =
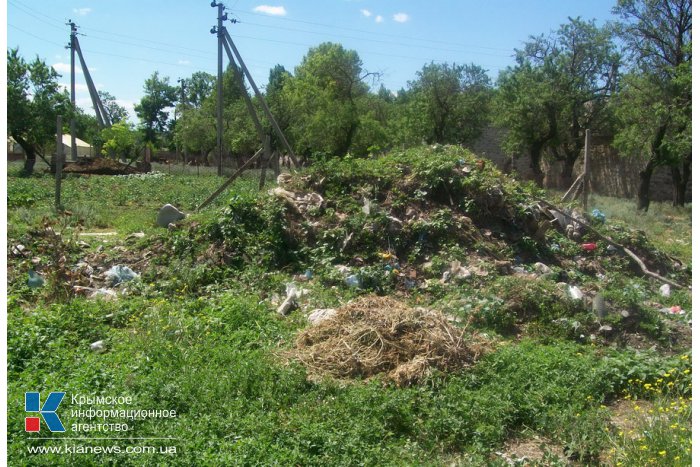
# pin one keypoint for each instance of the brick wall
(611, 174)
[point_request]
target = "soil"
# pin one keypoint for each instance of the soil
(99, 166)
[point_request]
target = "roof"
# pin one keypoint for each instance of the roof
(78, 142)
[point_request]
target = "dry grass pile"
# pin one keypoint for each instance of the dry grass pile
(374, 335)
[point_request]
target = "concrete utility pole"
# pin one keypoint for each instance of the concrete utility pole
(73, 31)
(58, 162)
(220, 86)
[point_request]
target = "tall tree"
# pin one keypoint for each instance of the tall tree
(578, 66)
(115, 112)
(451, 102)
(152, 110)
(654, 106)
(324, 96)
(34, 100)
(527, 106)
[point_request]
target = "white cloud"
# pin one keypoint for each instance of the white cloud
(82, 11)
(271, 10)
(184, 62)
(366, 12)
(401, 17)
(65, 68)
(379, 19)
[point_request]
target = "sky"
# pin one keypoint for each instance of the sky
(125, 41)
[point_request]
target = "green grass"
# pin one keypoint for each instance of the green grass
(202, 338)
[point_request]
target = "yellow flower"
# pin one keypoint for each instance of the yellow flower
(662, 453)
(685, 372)
(643, 447)
(684, 357)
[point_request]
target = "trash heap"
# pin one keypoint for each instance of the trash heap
(380, 335)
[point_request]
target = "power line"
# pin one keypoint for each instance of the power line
(374, 40)
(363, 31)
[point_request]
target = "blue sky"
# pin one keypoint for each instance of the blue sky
(125, 41)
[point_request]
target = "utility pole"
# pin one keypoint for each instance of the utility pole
(73, 31)
(183, 148)
(219, 86)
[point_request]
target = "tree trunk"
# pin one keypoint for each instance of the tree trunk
(678, 195)
(644, 185)
(681, 178)
(645, 175)
(535, 158)
(566, 177)
(30, 153)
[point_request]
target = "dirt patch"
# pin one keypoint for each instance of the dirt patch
(630, 416)
(99, 166)
(530, 451)
(379, 335)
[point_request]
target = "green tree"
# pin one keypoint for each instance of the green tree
(568, 78)
(450, 102)
(34, 100)
(115, 112)
(120, 141)
(654, 106)
(152, 109)
(526, 105)
(199, 87)
(324, 97)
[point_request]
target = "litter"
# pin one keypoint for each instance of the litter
(98, 346)
(168, 214)
(674, 310)
(352, 281)
(293, 294)
(589, 246)
(598, 215)
(665, 290)
(35, 280)
(599, 306)
(119, 273)
(367, 206)
(574, 292)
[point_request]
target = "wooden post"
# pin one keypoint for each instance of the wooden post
(59, 160)
(276, 163)
(229, 181)
(586, 169)
(265, 161)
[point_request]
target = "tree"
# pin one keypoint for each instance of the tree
(115, 112)
(450, 102)
(570, 77)
(198, 87)
(654, 106)
(120, 141)
(159, 96)
(34, 100)
(526, 105)
(324, 98)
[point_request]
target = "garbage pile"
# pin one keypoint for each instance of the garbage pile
(380, 335)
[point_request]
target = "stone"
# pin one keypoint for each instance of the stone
(321, 314)
(168, 214)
